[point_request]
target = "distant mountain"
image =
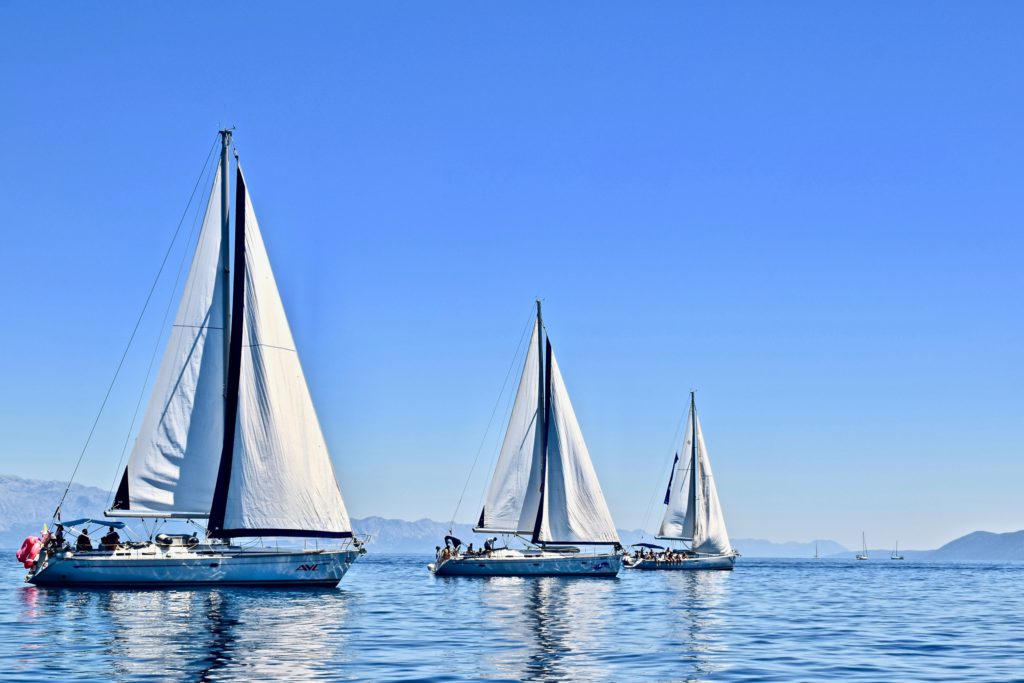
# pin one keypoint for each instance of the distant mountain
(984, 545)
(399, 536)
(26, 503)
(753, 547)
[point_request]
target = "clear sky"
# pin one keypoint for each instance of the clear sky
(811, 213)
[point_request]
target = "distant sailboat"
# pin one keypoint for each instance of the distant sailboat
(896, 552)
(230, 437)
(863, 555)
(693, 513)
(816, 555)
(544, 488)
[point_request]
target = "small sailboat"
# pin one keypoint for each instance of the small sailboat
(863, 554)
(230, 438)
(693, 513)
(816, 555)
(544, 489)
(896, 552)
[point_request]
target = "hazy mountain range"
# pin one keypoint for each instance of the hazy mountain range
(26, 503)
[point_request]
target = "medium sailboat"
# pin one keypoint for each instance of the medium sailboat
(896, 552)
(693, 513)
(863, 555)
(230, 437)
(544, 488)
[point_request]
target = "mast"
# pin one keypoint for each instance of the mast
(225, 248)
(694, 472)
(540, 361)
(543, 406)
(233, 362)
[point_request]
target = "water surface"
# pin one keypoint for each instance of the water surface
(770, 620)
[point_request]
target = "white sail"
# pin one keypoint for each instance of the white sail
(574, 509)
(517, 473)
(694, 512)
(281, 480)
(677, 523)
(710, 534)
(173, 464)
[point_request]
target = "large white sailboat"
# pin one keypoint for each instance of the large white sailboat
(230, 438)
(692, 514)
(544, 489)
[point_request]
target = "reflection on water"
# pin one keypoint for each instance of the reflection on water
(573, 628)
(211, 634)
(392, 620)
(699, 602)
(559, 623)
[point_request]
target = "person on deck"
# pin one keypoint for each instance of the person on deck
(110, 541)
(83, 542)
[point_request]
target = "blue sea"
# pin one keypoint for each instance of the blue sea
(769, 620)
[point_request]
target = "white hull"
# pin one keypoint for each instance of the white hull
(215, 565)
(516, 563)
(726, 562)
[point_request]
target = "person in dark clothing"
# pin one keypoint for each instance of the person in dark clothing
(84, 542)
(110, 541)
(58, 537)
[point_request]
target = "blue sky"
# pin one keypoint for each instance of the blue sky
(811, 213)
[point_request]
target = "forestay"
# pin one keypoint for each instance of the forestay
(176, 454)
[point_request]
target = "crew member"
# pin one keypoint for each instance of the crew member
(110, 541)
(83, 542)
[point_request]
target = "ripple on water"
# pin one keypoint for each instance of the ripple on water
(392, 620)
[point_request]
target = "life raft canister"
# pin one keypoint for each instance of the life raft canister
(29, 551)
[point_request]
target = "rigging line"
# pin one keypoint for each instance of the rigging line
(675, 440)
(159, 338)
(490, 420)
(131, 338)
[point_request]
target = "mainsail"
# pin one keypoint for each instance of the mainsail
(174, 461)
(693, 512)
(544, 483)
(517, 471)
(275, 477)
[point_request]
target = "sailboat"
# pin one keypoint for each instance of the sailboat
(693, 513)
(816, 555)
(230, 438)
(544, 489)
(863, 555)
(896, 552)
